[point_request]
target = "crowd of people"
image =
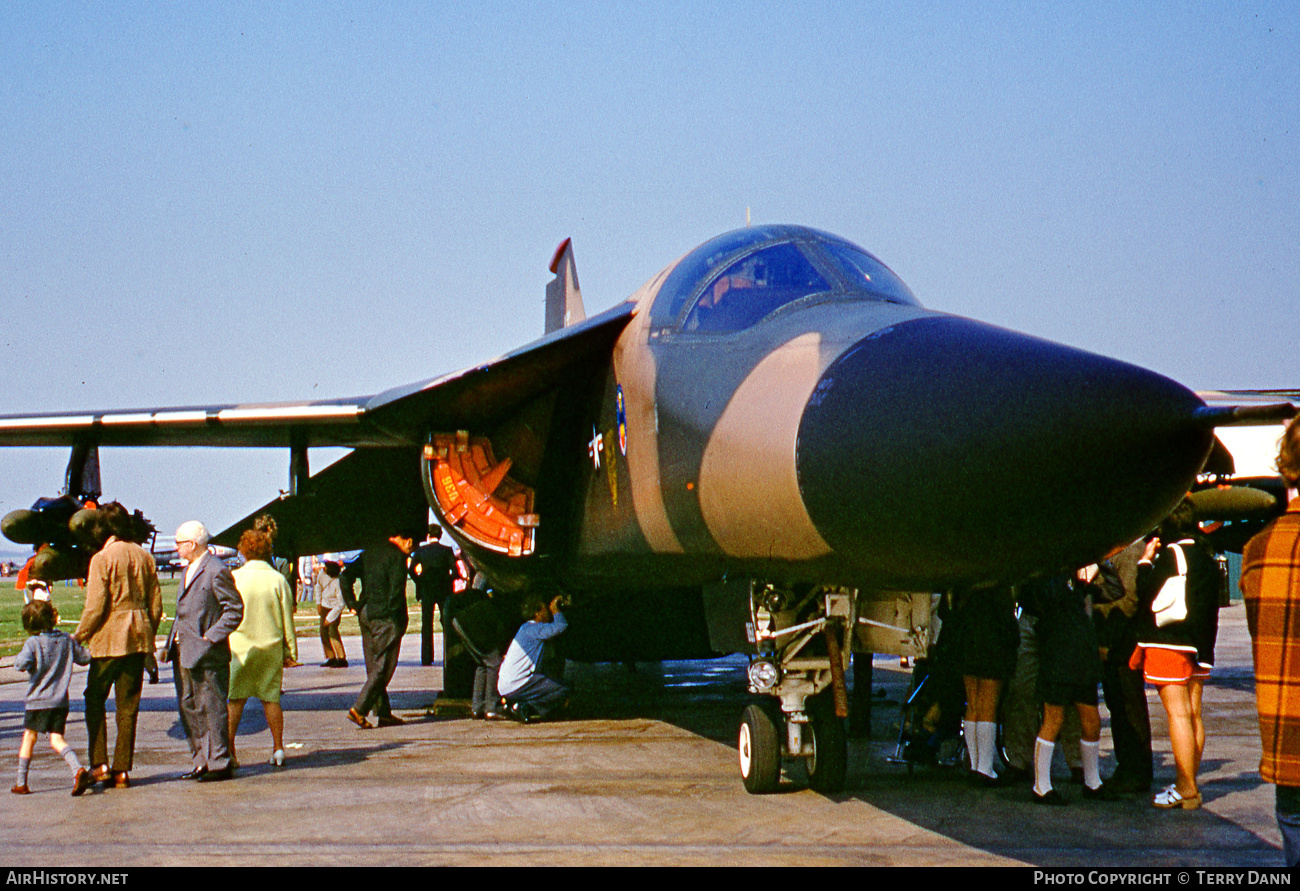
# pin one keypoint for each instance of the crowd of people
(233, 636)
(1031, 659)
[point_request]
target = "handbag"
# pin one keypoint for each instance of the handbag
(1170, 604)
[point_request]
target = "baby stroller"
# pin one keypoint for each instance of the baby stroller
(929, 729)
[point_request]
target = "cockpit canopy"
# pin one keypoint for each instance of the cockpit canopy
(737, 279)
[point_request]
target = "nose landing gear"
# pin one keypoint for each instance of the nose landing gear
(804, 646)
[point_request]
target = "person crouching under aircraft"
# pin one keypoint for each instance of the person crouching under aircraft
(529, 693)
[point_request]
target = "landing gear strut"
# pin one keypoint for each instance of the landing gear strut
(804, 644)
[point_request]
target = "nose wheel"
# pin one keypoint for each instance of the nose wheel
(819, 741)
(760, 749)
(804, 644)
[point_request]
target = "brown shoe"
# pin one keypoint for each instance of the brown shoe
(102, 774)
(359, 719)
(82, 781)
(121, 781)
(390, 721)
(21, 789)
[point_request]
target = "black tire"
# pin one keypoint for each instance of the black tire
(759, 748)
(828, 766)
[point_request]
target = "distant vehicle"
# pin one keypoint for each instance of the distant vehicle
(771, 448)
(163, 548)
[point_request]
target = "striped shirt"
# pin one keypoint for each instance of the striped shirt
(1270, 582)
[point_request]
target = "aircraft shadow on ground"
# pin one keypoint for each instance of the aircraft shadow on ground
(1008, 823)
(706, 698)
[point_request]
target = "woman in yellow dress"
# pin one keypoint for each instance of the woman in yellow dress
(264, 644)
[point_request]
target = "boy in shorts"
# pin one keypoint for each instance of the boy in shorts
(48, 656)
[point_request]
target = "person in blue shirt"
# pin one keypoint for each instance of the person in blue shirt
(48, 656)
(531, 694)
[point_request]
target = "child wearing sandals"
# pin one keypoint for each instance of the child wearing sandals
(48, 656)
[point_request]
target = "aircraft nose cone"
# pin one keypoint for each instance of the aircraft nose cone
(943, 449)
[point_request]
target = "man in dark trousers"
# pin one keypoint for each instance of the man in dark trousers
(381, 612)
(433, 566)
(208, 608)
(1117, 619)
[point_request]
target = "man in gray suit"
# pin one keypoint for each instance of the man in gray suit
(207, 610)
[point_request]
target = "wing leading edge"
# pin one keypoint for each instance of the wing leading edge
(376, 489)
(338, 422)
(395, 417)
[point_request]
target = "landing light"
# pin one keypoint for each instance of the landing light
(763, 675)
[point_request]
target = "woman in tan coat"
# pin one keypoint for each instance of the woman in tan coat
(118, 625)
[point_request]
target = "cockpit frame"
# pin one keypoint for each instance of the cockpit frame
(769, 268)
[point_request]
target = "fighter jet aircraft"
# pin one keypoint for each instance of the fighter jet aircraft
(771, 448)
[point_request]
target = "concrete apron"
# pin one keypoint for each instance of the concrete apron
(642, 772)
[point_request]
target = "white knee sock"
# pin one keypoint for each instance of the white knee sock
(1043, 765)
(1091, 755)
(987, 733)
(972, 743)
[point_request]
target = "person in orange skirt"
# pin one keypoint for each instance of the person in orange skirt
(1176, 648)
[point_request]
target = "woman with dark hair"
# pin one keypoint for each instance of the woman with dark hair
(1178, 584)
(264, 644)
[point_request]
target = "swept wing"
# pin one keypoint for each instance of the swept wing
(374, 489)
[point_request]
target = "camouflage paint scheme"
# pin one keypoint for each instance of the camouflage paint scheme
(860, 441)
(846, 437)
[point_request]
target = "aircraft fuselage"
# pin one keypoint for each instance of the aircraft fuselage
(850, 439)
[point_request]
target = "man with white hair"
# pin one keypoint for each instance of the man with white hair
(208, 608)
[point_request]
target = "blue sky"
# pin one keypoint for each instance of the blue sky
(205, 203)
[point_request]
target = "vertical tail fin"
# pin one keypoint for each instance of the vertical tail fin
(563, 296)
